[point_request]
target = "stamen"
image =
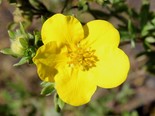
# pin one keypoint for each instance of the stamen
(84, 58)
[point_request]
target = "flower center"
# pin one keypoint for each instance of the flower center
(83, 58)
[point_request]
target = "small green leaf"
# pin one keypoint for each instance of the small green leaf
(43, 19)
(153, 34)
(153, 21)
(12, 26)
(130, 27)
(82, 5)
(7, 51)
(30, 36)
(18, 33)
(150, 39)
(133, 44)
(36, 4)
(22, 61)
(11, 34)
(37, 37)
(22, 28)
(23, 42)
(134, 113)
(48, 88)
(45, 84)
(147, 46)
(147, 27)
(144, 14)
(124, 35)
(144, 32)
(59, 104)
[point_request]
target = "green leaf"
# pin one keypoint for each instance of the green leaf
(48, 88)
(11, 34)
(134, 113)
(147, 46)
(37, 37)
(7, 51)
(153, 21)
(12, 26)
(144, 14)
(82, 5)
(36, 4)
(147, 27)
(150, 39)
(22, 61)
(23, 42)
(43, 19)
(22, 29)
(124, 35)
(0, 2)
(133, 44)
(131, 28)
(30, 36)
(18, 33)
(59, 104)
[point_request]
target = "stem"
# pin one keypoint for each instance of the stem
(65, 5)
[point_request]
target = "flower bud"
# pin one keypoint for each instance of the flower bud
(17, 47)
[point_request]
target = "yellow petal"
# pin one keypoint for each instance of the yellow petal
(112, 69)
(75, 87)
(100, 33)
(46, 58)
(62, 29)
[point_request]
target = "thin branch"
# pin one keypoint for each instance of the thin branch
(65, 5)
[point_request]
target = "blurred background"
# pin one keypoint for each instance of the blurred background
(135, 19)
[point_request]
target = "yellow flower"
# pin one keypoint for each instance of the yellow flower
(79, 58)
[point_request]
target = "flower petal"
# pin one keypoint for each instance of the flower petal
(46, 58)
(75, 87)
(112, 69)
(100, 33)
(62, 29)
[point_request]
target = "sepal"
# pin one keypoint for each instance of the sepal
(48, 88)
(59, 104)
